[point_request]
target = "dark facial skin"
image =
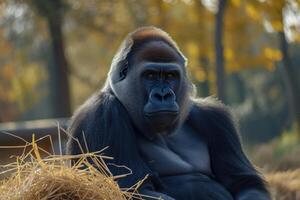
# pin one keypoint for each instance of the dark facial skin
(155, 76)
(161, 82)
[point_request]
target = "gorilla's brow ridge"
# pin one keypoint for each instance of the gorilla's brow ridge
(161, 53)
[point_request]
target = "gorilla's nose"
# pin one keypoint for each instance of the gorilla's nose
(162, 96)
(162, 101)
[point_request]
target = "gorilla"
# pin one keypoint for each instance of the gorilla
(151, 121)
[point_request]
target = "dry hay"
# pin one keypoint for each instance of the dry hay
(53, 178)
(284, 185)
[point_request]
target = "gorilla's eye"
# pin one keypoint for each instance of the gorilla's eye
(171, 75)
(150, 75)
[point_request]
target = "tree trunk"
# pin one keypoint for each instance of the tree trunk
(219, 57)
(203, 87)
(52, 11)
(62, 91)
(290, 80)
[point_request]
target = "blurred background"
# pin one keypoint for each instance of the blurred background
(55, 53)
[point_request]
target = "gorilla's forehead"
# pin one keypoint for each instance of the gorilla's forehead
(158, 66)
(157, 51)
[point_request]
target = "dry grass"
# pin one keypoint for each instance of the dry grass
(34, 178)
(284, 185)
(280, 161)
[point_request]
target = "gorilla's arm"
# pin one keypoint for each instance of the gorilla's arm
(148, 189)
(104, 122)
(230, 165)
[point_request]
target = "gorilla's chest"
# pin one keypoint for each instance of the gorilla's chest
(183, 152)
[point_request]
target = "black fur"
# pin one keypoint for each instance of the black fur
(105, 121)
(230, 166)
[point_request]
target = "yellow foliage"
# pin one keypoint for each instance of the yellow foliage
(98, 25)
(192, 49)
(228, 54)
(236, 3)
(272, 54)
(296, 38)
(252, 12)
(270, 65)
(277, 25)
(295, 33)
(233, 66)
(18, 86)
(200, 75)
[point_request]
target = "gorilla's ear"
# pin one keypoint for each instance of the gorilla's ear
(123, 71)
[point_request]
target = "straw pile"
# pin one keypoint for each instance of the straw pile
(285, 185)
(34, 178)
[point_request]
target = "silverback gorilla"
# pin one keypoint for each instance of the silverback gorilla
(149, 118)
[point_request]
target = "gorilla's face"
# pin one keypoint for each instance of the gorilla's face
(155, 90)
(161, 82)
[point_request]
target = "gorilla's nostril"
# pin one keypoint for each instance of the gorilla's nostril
(163, 95)
(158, 97)
(168, 96)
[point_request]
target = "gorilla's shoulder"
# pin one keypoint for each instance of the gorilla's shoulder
(211, 105)
(211, 111)
(98, 101)
(94, 109)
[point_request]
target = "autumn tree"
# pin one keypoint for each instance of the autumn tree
(219, 50)
(21, 73)
(275, 14)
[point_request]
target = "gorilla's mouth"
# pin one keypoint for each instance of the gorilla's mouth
(163, 120)
(163, 109)
(162, 117)
(161, 112)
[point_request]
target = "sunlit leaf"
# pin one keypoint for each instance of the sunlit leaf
(252, 12)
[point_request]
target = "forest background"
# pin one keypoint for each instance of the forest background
(56, 53)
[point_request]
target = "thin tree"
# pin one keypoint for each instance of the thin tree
(290, 80)
(276, 11)
(219, 54)
(53, 12)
